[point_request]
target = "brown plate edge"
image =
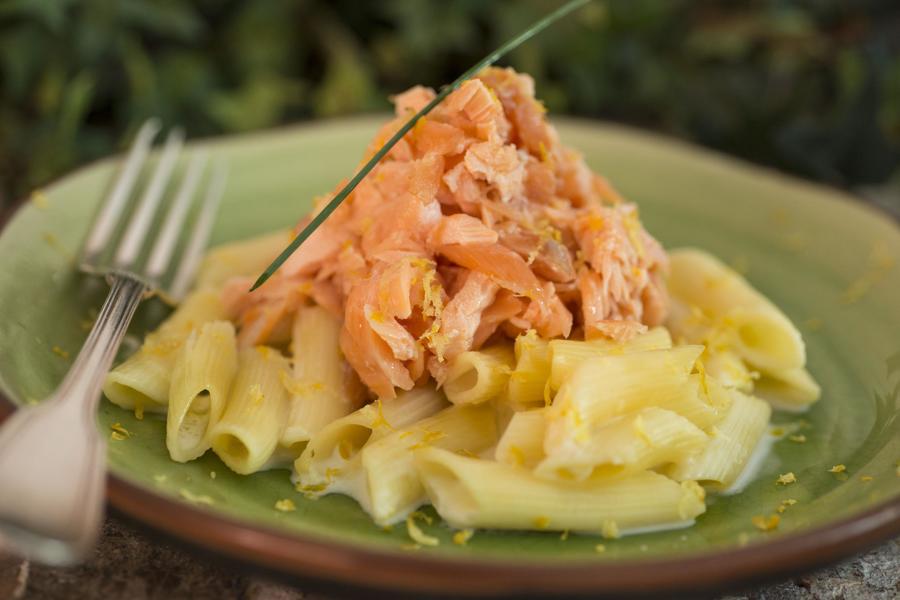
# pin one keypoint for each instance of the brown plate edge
(319, 560)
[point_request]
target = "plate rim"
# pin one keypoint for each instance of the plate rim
(310, 558)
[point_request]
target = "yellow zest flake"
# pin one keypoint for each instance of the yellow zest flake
(541, 522)
(285, 505)
(256, 394)
(609, 529)
(542, 152)
(786, 479)
(119, 433)
(564, 535)
(766, 523)
(195, 498)
(600, 548)
(139, 411)
(595, 222)
(331, 473)
(467, 453)
(64, 354)
(39, 199)
(866, 478)
(800, 438)
(785, 504)
(427, 439)
(160, 479)
(701, 370)
(416, 534)
(312, 489)
(633, 227)
(380, 420)
(377, 316)
(212, 474)
(462, 537)
(777, 431)
(837, 469)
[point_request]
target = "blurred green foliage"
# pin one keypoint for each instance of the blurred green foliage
(812, 87)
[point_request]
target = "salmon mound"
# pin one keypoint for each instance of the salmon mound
(478, 224)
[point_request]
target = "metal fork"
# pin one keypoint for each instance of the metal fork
(52, 456)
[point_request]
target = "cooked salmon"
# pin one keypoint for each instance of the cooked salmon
(479, 224)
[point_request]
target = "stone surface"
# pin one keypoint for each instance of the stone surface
(129, 564)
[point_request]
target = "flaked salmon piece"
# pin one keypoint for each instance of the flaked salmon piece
(505, 306)
(547, 314)
(434, 137)
(402, 151)
(655, 300)
(543, 250)
(527, 115)
(575, 179)
(461, 229)
(499, 165)
(467, 192)
(540, 181)
(407, 229)
(322, 246)
(399, 340)
(460, 318)
(329, 296)
(505, 267)
(476, 110)
(412, 100)
(369, 355)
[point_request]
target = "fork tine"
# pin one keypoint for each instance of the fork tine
(200, 236)
(161, 254)
(133, 239)
(103, 226)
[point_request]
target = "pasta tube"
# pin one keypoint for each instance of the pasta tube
(240, 259)
(522, 442)
(528, 380)
(763, 335)
(469, 492)
(331, 463)
(567, 355)
(319, 387)
(477, 376)
(247, 434)
(142, 382)
(647, 439)
(792, 390)
(608, 386)
(201, 380)
(393, 481)
(731, 445)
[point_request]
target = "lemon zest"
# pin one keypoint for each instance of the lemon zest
(415, 532)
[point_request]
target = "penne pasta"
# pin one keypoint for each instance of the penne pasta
(608, 386)
(793, 390)
(393, 481)
(321, 387)
(142, 382)
(762, 334)
(246, 436)
(726, 367)
(522, 442)
(242, 258)
(201, 379)
(330, 462)
(731, 444)
(567, 355)
(646, 439)
(470, 492)
(528, 380)
(477, 376)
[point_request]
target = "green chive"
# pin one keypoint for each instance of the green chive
(486, 61)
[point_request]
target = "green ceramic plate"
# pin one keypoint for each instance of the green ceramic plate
(825, 259)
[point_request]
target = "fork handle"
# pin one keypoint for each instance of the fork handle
(52, 457)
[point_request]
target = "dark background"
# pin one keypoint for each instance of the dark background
(810, 87)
